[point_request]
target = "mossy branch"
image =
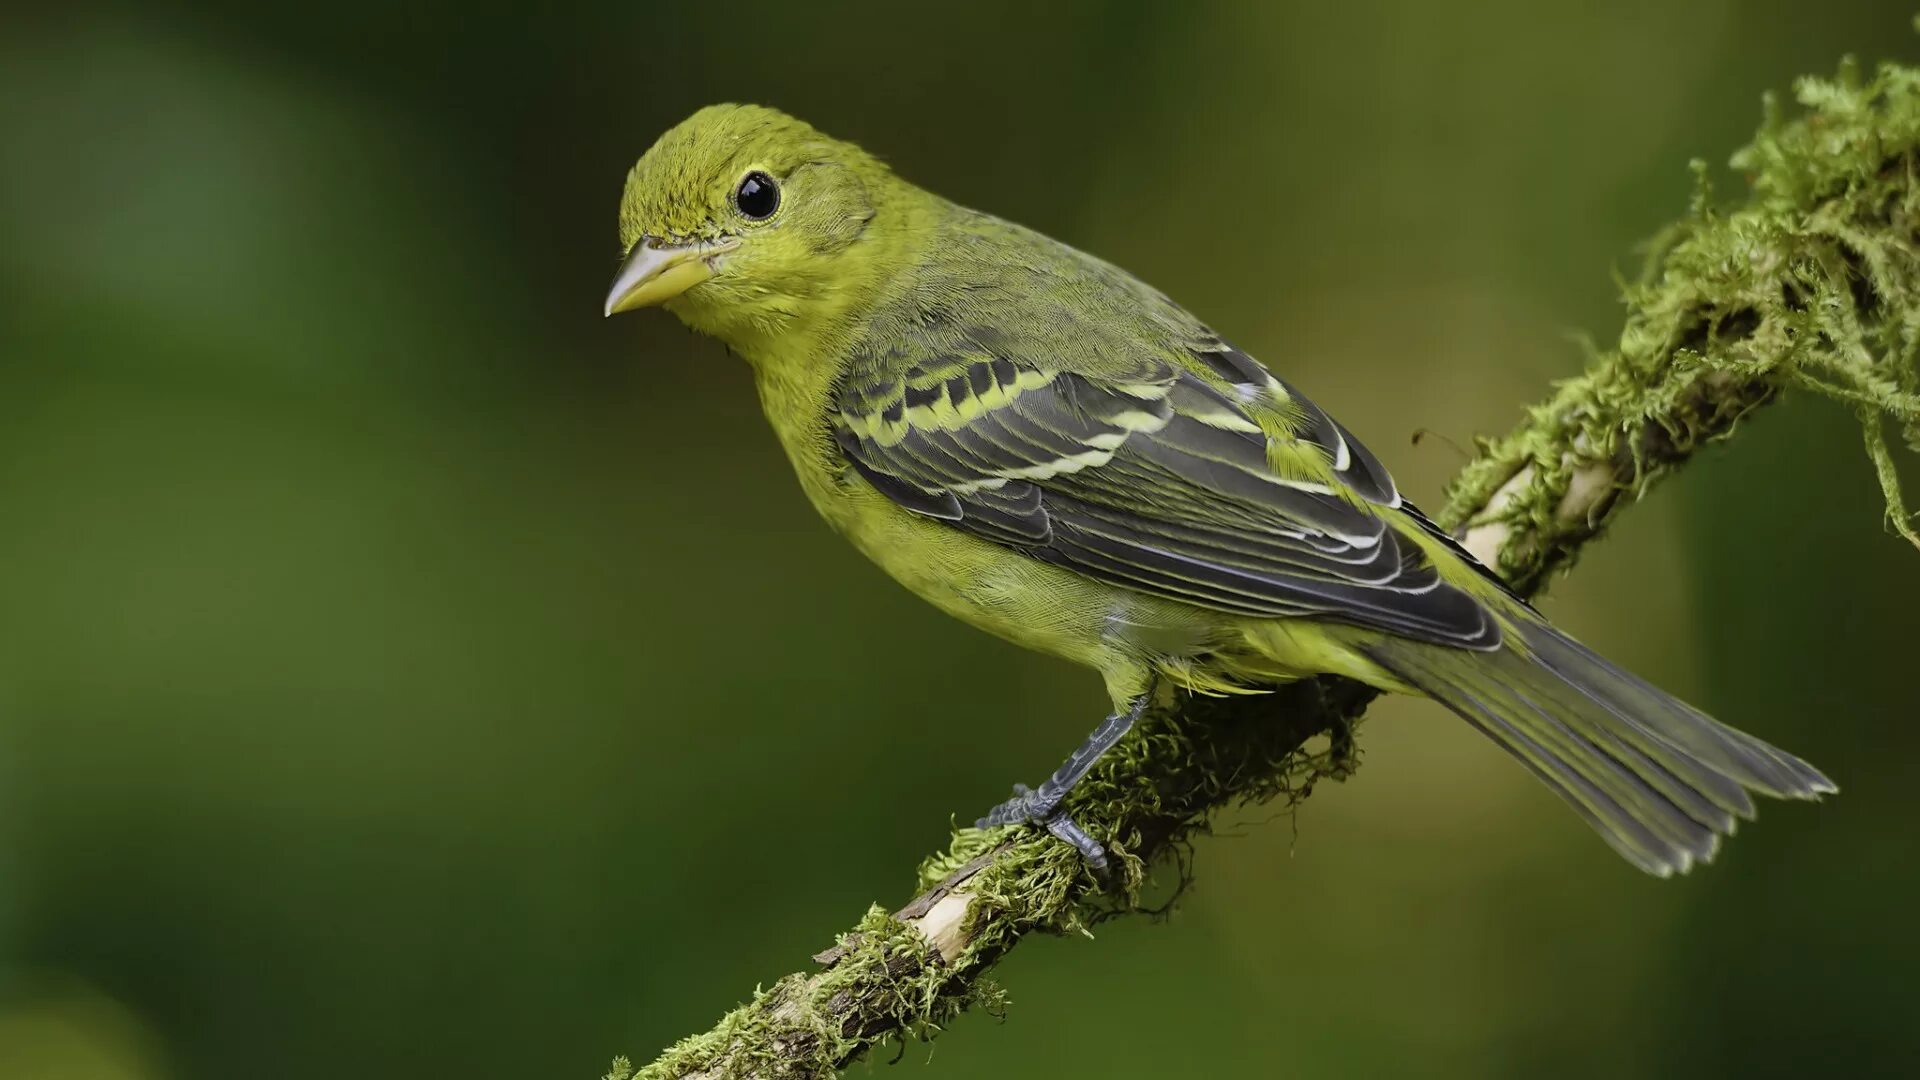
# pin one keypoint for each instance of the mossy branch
(1813, 284)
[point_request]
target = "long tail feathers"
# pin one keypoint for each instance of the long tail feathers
(1661, 781)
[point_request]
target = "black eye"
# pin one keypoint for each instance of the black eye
(757, 197)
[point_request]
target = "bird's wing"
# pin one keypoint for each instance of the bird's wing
(1196, 476)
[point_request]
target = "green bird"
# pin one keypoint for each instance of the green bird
(1038, 443)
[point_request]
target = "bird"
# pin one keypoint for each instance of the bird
(1047, 448)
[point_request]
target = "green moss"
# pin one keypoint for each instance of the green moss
(1813, 284)
(885, 981)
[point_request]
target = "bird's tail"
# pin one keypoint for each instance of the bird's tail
(1660, 780)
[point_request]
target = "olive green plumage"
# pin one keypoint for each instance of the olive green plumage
(1041, 445)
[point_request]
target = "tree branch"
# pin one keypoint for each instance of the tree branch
(1814, 283)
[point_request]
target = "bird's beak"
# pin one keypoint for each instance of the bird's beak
(655, 273)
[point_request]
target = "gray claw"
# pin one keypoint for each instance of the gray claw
(1069, 830)
(1026, 805)
(1043, 808)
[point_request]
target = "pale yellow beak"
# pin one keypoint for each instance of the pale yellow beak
(655, 273)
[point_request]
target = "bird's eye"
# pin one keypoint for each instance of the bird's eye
(757, 196)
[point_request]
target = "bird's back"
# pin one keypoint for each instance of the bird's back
(979, 282)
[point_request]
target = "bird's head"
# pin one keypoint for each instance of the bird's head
(742, 219)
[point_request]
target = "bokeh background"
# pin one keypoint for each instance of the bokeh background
(406, 673)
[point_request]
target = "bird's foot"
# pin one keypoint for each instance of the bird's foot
(1043, 808)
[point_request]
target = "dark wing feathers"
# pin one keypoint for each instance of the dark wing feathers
(1159, 480)
(1355, 464)
(934, 504)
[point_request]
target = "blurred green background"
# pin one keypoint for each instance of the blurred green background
(405, 672)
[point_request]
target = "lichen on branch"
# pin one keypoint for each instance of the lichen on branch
(1812, 284)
